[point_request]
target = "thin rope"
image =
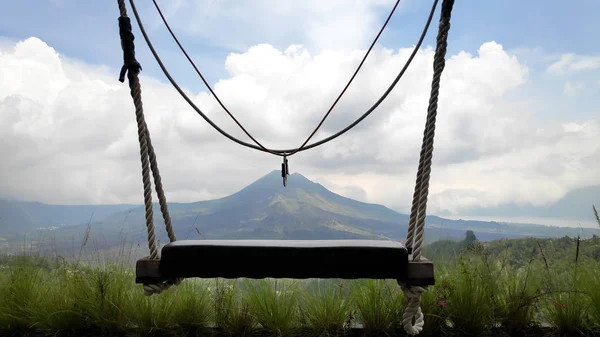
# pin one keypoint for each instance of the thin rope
(274, 151)
(147, 154)
(419, 207)
(231, 115)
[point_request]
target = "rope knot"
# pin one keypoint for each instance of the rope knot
(413, 310)
(130, 64)
(157, 288)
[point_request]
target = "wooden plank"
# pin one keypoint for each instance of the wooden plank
(419, 273)
(147, 271)
(294, 259)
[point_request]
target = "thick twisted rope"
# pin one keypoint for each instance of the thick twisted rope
(413, 310)
(419, 204)
(416, 228)
(147, 154)
(132, 68)
(162, 199)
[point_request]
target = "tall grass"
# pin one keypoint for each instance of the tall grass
(471, 303)
(592, 287)
(231, 309)
(326, 310)
(518, 295)
(274, 305)
(474, 295)
(567, 306)
(191, 309)
(434, 304)
(20, 291)
(379, 305)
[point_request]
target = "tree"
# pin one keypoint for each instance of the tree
(470, 238)
(471, 243)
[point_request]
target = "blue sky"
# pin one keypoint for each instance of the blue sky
(87, 30)
(538, 32)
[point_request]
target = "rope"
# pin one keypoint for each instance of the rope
(413, 310)
(231, 115)
(132, 68)
(162, 199)
(288, 151)
(418, 211)
(419, 204)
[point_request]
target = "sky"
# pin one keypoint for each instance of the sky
(518, 116)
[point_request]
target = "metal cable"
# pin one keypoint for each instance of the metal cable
(282, 153)
(231, 115)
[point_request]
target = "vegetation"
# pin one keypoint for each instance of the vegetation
(509, 287)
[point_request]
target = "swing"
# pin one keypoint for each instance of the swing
(258, 259)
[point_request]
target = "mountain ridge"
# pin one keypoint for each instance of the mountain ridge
(263, 209)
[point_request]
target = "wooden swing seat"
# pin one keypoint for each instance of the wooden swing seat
(294, 259)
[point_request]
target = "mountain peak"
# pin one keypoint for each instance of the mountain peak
(273, 182)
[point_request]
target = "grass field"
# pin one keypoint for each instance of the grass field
(476, 294)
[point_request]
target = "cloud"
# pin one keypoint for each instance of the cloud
(69, 132)
(571, 62)
(238, 25)
(571, 89)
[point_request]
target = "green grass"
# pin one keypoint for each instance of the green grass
(471, 302)
(378, 305)
(476, 294)
(274, 305)
(568, 305)
(231, 309)
(326, 309)
(518, 293)
(592, 288)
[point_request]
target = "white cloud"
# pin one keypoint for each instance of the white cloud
(574, 63)
(571, 89)
(240, 24)
(69, 133)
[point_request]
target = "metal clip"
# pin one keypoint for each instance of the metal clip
(285, 171)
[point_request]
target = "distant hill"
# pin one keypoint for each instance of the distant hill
(21, 216)
(262, 210)
(575, 205)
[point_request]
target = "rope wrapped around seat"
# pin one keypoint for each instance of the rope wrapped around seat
(416, 228)
(132, 68)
